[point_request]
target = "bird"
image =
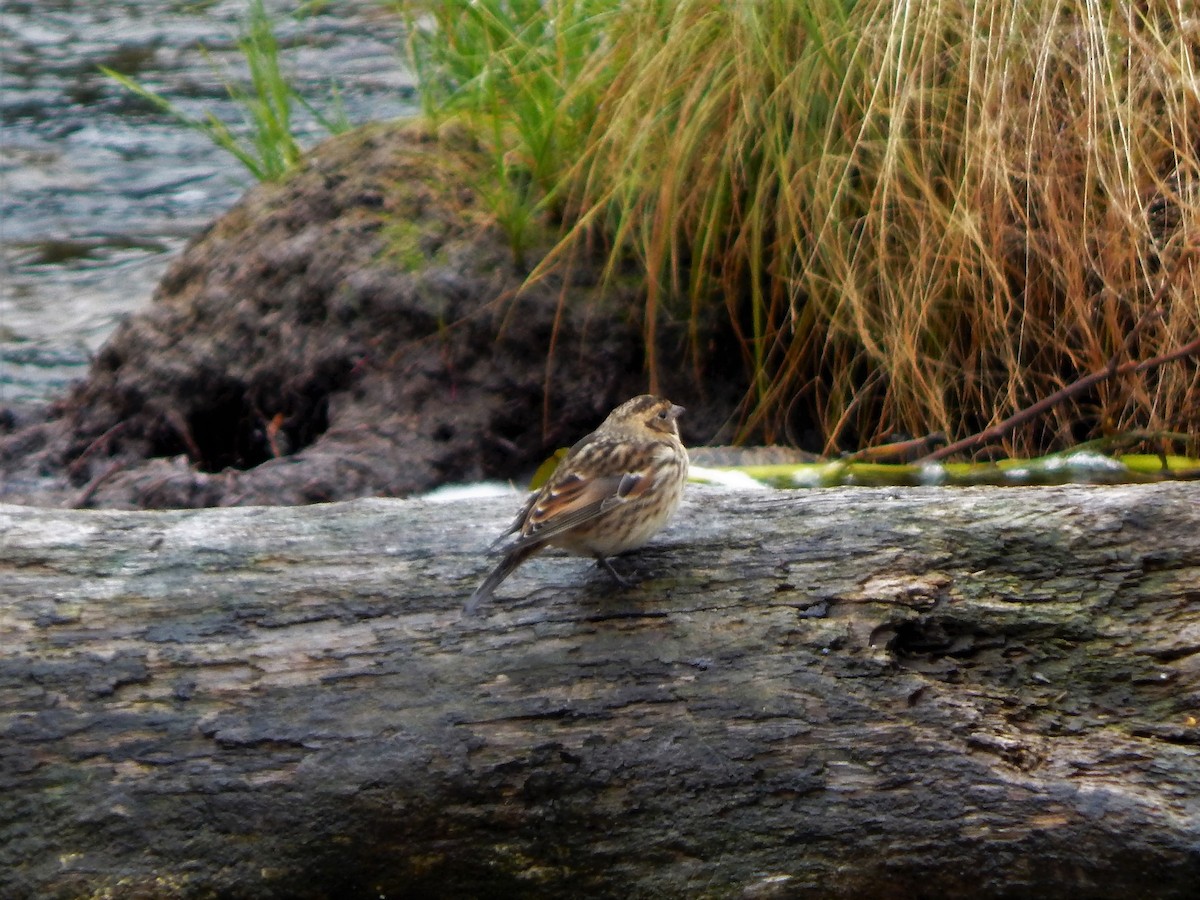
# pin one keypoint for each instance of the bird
(612, 491)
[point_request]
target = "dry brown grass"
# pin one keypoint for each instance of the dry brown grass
(919, 217)
(915, 217)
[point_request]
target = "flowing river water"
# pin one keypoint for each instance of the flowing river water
(98, 190)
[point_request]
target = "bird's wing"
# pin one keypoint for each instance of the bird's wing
(568, 502)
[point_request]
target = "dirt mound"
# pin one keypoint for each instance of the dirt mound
(361, 329)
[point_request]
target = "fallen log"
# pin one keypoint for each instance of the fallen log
(851, 692)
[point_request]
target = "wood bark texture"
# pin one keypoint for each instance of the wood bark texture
(925, 692)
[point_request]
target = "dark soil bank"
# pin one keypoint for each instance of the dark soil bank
(360, 330)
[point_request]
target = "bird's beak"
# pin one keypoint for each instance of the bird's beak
(675, 411)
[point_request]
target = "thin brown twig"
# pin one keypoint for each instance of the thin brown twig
(175, 419)
(104, 440)
(896, 450)
(1112, 369)
(89, 491)
(1187, 349)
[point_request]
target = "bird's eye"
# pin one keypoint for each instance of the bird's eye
(662, 414)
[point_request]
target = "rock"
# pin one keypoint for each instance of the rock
(361, 329)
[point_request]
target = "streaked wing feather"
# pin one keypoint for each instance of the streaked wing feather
(567, 506)
(594, 479)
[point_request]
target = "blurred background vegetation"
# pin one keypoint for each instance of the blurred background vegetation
(915, 218)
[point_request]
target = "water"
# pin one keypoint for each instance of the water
(98, 190)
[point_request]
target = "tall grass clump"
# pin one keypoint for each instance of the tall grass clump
(514, 71)
(265, 143)
(913, 217)
(919, 217)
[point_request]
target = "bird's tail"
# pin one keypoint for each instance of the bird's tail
(506, 567)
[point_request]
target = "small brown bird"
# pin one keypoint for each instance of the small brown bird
(611, 493)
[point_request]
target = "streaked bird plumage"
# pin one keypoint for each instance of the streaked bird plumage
(612, 492)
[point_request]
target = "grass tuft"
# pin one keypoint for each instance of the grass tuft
(918, 217)
(514, 70)
(265, 143)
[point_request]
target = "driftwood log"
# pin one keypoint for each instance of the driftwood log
(852, 692)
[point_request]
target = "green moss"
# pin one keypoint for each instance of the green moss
(1090, 468)
(406, 243)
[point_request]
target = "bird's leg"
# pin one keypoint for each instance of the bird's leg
(605, 564)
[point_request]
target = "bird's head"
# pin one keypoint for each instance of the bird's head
(646, 414)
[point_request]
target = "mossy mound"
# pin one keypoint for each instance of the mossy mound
(361, 329)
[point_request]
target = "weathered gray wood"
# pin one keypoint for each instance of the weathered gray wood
(986, 692)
